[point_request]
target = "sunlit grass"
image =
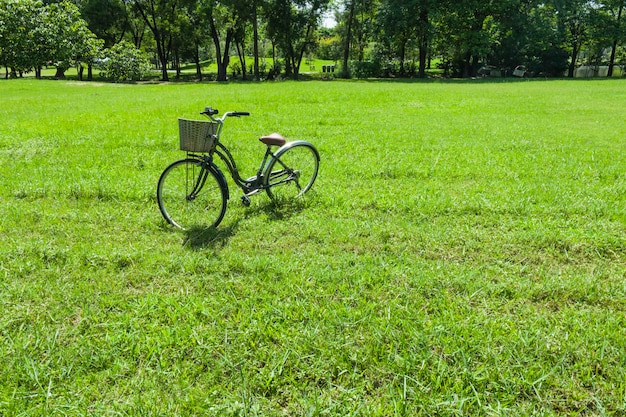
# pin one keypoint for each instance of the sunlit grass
(462, 252)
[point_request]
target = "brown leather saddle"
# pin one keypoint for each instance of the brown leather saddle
(273, 139)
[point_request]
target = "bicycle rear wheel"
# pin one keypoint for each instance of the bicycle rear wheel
(292, 171)
(191, 194)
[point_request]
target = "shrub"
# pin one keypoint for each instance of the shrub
(366, 69)
(124, 62)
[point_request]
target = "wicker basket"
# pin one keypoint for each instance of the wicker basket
(196, 135)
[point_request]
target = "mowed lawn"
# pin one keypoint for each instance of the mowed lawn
(463, 252)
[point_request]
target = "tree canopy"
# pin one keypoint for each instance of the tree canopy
(373, 38)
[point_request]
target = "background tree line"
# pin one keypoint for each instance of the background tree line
(374, 38)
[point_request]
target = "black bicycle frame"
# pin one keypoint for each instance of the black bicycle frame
(255, 182)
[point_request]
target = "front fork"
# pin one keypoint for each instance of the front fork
(199, 183)
(207, 167)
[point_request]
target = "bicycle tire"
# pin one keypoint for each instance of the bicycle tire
(189, 201)
(292, 171)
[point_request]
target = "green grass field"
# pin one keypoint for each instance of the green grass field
(463, 252)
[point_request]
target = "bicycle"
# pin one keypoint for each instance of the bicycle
(193, 192)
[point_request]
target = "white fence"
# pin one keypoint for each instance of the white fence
(588, 71)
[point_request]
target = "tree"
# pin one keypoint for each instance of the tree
(329, 46)
(405, 24)
(107, 19)
(425, 32)
(22, 46)
(351, 8)
(614, 12)
(162, 19)
(67, 36)
(32, 34)
(135, 24)
(463, 26)
(523, 32)
(291, 25)
(194, 31)
(222, 23)
(356, 20)
(246, 12)
(255, 4)
(544, 52)
(573, 21)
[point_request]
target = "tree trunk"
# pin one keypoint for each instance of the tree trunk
(226, 57)
(467, 65)
(345, 73)
(163, 61)
(288, 61)
(60, 73)
(255, 41)
(177, 63)
(296, 65)
(402, 57)
(297, 60)
(196, 60)
(612, 59)
(272, 72)
(161, 52)
(474, 66)
(164, 45)
(614, 47)
(242, 58)
(423, 44)
(223, 59)
(572, 64)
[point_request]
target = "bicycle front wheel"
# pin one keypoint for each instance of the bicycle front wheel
(292, 171)
(191, 195)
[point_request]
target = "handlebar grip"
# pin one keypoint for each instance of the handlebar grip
(240, 113)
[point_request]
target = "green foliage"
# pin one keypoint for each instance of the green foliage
(108, 19)
(291, 25)
(366, 69)
(405, 36)
(329, 48)
(124, 62)
(462, 252)
(22, 43)
(32, 35)
(69, 39)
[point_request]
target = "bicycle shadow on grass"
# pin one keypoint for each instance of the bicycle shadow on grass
(277, 210)
(197, 238)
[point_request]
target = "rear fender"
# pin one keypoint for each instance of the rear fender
(290, 145)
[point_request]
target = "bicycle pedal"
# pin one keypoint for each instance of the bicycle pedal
(245, 200)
